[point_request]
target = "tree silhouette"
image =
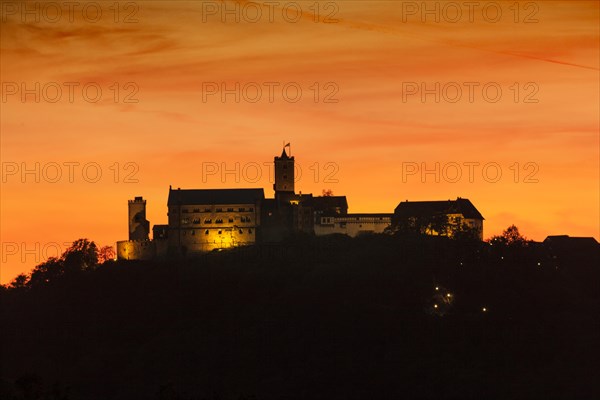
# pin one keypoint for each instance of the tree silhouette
(46, 272)
(81, 256)
(510, 237)
(462, 231)
(20, 282)
(106, 253)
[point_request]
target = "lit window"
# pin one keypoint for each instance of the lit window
(218, 221)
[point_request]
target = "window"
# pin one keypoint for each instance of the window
(219, 210)
(207, 210)
(196, 221)
(218, 221)
(241, 231)
(196, 210)
(219, 231)
(250, 230)
(230, 219)
(251, 209)
(206, 232)
(185, 220)
(242, 209)
(230, 209)
(208, 221)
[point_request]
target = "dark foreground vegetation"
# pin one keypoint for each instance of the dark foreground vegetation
(376, 317)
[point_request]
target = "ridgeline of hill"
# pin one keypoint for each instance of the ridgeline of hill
(375, 317)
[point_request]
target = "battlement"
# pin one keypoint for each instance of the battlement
(137, 199)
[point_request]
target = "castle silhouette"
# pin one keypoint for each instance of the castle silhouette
(203, 220)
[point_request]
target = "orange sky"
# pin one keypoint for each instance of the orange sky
(370, 52)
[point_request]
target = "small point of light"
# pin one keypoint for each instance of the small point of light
(448, 295)
(435, 306)
(437, 288)
(484, 309)
(502, 258)
(539, 264)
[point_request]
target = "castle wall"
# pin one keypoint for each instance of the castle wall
(352, 225)
(136, 250)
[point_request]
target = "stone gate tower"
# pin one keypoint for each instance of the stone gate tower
(139, 226)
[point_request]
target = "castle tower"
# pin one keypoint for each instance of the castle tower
(139, 226)
(284, 175)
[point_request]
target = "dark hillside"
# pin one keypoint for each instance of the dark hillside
(326, 318)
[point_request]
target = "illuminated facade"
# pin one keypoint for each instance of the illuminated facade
(202, 220)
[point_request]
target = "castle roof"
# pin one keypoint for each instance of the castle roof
(326, 203)
(214, 196)
(579, 243)
(424, 208)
